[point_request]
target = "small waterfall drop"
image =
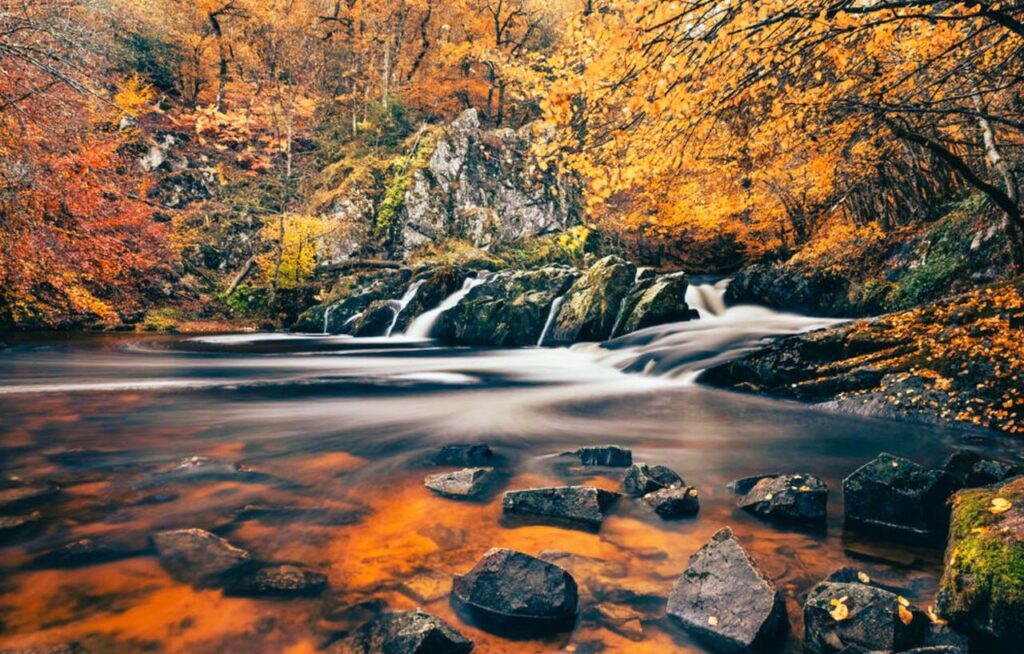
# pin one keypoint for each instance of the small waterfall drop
(401, 303)
(555, 306)
(327, 317)
(423, 325)
(707, 299)
(352, 319)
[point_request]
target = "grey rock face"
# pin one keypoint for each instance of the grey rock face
(465, 483)
(583, 504)
(793, 498)
(199, 557)
(675, 502)
(404, 632)
(510, 590)
(724, 599)
(612, 456)
(897, 495)
(871, 620)
(282, 580)
(592, 304)
(642, 479)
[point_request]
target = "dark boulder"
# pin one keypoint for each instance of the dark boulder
(657, 302)
(982, 588)
(898, 496)
(465, 483)
(724, 599)
(198, 557)
(974, 470)
(435, 285)
(277, 580)
(511, 591)
(592, 303)
(464, 454)
(794, 498)
(611, 456)
(376, 318)
(786, 287)
(743, 485)
(404, 632)
(586, 505)
(842, 615)
(675, 502)
(642, 479)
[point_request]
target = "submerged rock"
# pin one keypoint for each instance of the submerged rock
(982, 588)
(856, 615)
(465, 483)
(464, 454)
(198, 557)
(510, 590)
(404, 632)
(278, 580)
(612, 456)
(88, 551)
(973, 469)
(581, 504)
(20, 497)
(14, 526)
(743, 485)
(794, 498)
(675, 502)
(724, 599)
(641, 479)
(899, 496)
(592, 303)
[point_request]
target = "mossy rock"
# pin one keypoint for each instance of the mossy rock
(662, 301)
(592, 303)
(982, 588)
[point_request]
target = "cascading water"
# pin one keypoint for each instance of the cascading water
(555, 306)
(327, 317)
(403, 302)
(423, 325)
(707, 299)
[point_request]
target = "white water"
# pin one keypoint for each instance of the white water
(327, 316)
(707, 299)
(403, 302)
(555, 306)
(423, 325)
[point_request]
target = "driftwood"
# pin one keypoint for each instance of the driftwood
(357, 264)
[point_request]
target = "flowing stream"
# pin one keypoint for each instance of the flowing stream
(335, 426)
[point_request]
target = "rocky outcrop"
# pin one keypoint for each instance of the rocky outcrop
(724, 598)
(592, 303)
(509, 591)
(350, 297)
(982, 587)
(508, 309)
(784, 287)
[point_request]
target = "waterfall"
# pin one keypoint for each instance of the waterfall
(555, 306)
(424, 324)
(707, 299)
(402, 303)
(351, 320)
(327, 317)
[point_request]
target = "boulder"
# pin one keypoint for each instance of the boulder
(982, 588)
(509, 309)
(743, 485)
(612, 456)
(88, 551)
(375, 319)
(404, 632)
(898, 496)
(278, 580)
(642, 479)
(656, 302)
(463, 454)
(511, 591)
(842, 615)
(585, 505)
(465, 483)
(198, 557)
(972, 469)
(592, 304)
(793, 498)
(725, 600)
(675, 502)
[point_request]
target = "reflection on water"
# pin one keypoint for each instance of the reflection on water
(331, 432)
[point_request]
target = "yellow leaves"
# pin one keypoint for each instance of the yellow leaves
(713, 621)
(839, 611)
(863, 577)
(903, 610)
(133, 97)
(1000, 505)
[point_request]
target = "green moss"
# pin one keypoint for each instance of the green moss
(164, 319)
(401, 174)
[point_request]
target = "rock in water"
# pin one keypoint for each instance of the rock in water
(982, 587)
(511, 591)
(676, 502)
(743, 485)
(725, 599)
(463, 454)
(899, 496)
(612, 456)
(592, 303)
(642, 479)
(284, 580)
(404, 632)
(793, 498)
(973, 470)
(198, 557)
(468, 482)
(582, 504)
(660, 301)
(88, 551)
(856, 615)
(375, 319)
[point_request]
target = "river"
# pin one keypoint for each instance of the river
(333, 422)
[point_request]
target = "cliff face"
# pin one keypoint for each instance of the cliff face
(457, 181)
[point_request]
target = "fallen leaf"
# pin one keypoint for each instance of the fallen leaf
(713, 621)
(840, 611)
(906, 617)
(863, 578)
(1000, 505)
